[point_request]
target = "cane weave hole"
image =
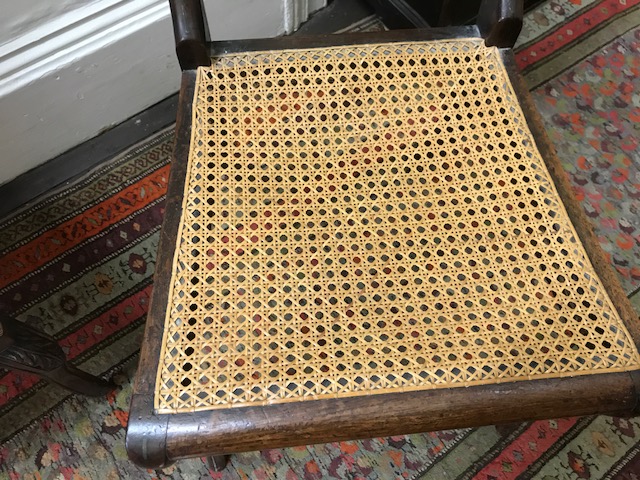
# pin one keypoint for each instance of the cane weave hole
(372, 219)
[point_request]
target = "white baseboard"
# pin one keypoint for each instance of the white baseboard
(91, 68)
(296, 12)
(88, 69)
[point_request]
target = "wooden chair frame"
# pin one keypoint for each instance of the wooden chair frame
(155, 440)
(26, 349)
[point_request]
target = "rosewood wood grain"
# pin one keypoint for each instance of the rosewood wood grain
(147, 431)
(150, 351)
(303, 423)
(283, 425)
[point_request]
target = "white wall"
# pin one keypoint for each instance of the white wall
(229, 19)
(80, 71)
(72, 68)
(21, 16)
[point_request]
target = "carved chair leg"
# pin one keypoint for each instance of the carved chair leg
(217, 463)
(24, 348)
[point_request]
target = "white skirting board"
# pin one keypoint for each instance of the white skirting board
(88, 69)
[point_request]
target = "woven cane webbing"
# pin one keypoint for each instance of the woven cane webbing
(372, 219)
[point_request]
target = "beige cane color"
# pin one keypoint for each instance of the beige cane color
(372, 219)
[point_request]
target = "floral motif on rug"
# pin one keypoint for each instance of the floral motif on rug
(592, 114)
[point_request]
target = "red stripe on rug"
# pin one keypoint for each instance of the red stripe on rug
(572, 30)
(94, 332)
(106, 324)
(516, 457)
(89, 223)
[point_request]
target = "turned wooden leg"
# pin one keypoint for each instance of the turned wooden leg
(217, 463)
(24, 348)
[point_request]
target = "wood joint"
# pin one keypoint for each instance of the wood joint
(147, 434)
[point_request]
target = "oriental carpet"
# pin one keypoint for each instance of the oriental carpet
(78, 264)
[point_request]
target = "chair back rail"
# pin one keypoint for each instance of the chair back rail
(499, 23)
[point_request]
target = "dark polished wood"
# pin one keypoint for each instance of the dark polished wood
(155, 440)
(146, 431)
(189, 32)
(24, 348)
(217, 463)
(500, 22)
(304, 423)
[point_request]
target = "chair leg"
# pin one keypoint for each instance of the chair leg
(217, 463)
(446, 14)
(25, 348)
(635, 376)
(398, 14)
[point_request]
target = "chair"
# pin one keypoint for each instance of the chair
(369, 234)
(24, 348)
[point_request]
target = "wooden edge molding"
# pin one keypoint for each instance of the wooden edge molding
(150, 352)
(283, 425)
(583, 226)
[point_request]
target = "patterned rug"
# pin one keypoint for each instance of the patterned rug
(78, 264)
